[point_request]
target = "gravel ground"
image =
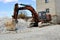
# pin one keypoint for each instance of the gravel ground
(45, 33)
(51, 32)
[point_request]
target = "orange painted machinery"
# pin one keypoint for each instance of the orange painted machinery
(35, 15)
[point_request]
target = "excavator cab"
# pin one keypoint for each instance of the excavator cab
(42, 15)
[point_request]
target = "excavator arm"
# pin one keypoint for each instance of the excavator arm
(26, 7)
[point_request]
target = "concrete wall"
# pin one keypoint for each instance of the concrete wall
(41, 6)
(57, 6)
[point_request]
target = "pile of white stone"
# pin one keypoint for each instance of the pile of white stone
(6, 23)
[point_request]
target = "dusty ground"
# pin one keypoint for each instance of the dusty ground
(45, 33)
(51, 32)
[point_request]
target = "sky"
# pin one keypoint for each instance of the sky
(7, 6)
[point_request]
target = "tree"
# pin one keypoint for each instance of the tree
(22, 14)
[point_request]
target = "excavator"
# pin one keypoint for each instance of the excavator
(34, 14)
